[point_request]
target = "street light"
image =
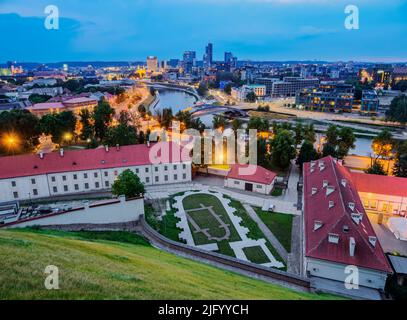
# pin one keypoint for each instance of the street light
(11, 141)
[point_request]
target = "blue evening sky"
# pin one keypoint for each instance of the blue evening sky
(252, 29)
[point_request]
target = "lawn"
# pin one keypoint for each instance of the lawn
(256, 255)
(254, 231)
(280, 225)
(108, 265)
(205, 219)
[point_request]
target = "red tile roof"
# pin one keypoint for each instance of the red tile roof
(333, 220)
(261, 175)
(372, 183)
(81, 160)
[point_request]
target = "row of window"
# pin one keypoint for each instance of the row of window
(106, 173)
(258, 186)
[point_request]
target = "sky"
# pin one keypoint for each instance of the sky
(272, 30)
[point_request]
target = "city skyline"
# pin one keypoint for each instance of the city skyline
(131, 31)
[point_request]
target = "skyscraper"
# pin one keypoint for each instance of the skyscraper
(208, 56)
(189, 61)
(152, 64)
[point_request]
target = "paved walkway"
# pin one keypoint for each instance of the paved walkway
(294, 263)
(267, 233)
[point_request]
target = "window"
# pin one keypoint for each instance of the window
(35, 192)
(85, 175)
(184, 166)
(166, 178)
(32, 181)
(75, 177)
(55, 189)
(97, 185)
(76, 186)
(137, 171)
(184, 176)
(53, 179)
(86, 185)
(259, 186)
(106, 173)
(175, 177)
(13, 183)
(15, 194)
(147, 180)
(146, 170)
(66, 188)
(63, 178)
(157, 179)
(156, 169)
(116, 172)
(175, 167)
(95, 174)
(107, 184)
(236, 182)
(165, 168)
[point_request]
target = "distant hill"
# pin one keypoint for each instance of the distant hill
(116, 265)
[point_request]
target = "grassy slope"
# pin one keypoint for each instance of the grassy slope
(129, 269)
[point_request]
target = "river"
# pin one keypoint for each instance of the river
(178, 100)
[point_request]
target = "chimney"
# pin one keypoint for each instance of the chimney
(352, 246)
(107, 148)
(117, 147)
(41, 155)
(61, 152)
(148, 144)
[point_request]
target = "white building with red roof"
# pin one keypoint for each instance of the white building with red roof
(251, 178)
(337, 230)
(61, 173)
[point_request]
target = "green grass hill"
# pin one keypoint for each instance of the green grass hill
(116, 265)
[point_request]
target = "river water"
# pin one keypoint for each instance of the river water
(178, 100)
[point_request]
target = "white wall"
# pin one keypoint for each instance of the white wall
(67, 183)
(123, 211)
(334, 271)
(257, 187)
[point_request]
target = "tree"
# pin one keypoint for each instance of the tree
(400, 165)
(283, 148)
(85, 118)
(401, 85)
(228, 89)
(307, 153)
(328, 150)
(382, 145)
(128, 184)
(38, 98)
(258, 124)
(236, 124)
(251, 97)
(102, 116)
(124, 133)
(346, 142)
(219, 121)
(203, 89)
(398, 110)
(165, 118)
(263, 156)
(299, 133)
(58, 125)
(376, 168)
(142, 110)
(309, 133)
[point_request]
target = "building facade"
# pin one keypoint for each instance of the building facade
(338, 233)
(61, 173)
(370, 102)
(291, 85)
(328, 96)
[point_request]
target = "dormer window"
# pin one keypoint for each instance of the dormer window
(351, 206)
(344, 182)
(373, 241)
(329, 190)
(325, 183)
(333, 238)
(345, 229)
(314, 191)
(331, 204)
(356, 217)
(317, 225)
